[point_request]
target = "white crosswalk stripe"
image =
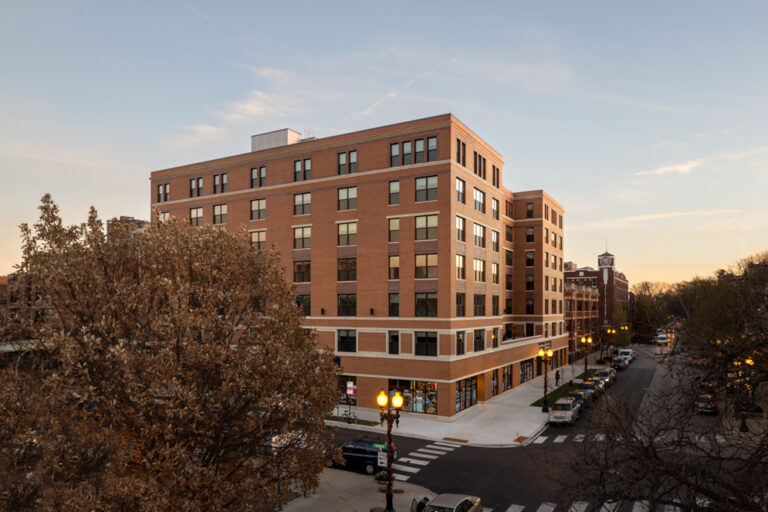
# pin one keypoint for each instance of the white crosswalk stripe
(641, 506)
(417, 459)
(720, 439)
(448, 443)
(407, 469)
(540, 440)
(515, 508)
(546, 507)
(402, 478)
(408, 460)
(418, 453)
(599, 437)
(610, 506)
(579, 438)
(560, 439)
(579, 506)
(444, 449)
(433, 452)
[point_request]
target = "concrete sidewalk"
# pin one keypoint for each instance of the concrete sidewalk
(504, 421)
(346, 491)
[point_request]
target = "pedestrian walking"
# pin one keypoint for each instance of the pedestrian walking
(422, 504)
(557, 377)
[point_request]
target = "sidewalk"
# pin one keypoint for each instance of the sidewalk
(506, 420)
(346, 491)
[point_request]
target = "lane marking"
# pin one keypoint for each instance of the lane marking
(560, 439)
(448, 443)
(407, 469)
(610, 506)
(720, 439)
(443, 449)
(540, 439)
(579, 438)
(419, 453)
(413, 461)
(402, 478)
(641, 506)
(515, 508)
(546, 507)
(579, 506)
(599, 437)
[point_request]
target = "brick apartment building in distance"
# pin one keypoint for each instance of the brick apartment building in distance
(410, 259)
(581, 309)
(612, 287)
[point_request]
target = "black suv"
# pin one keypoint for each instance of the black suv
(364, 453)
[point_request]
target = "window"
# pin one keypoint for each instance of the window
(495, 208)
(394, 267)
(508, 282)
(258, 177)
(426, 227)
(426, 304)
(509, 233)
(347, 233)
(509, 209)
(394, 304)
(219, 183)
(546, 211)
(460, 272)
(554, 284)
(347, 341)
(302, 169)
(529, 210)
(546, 259)
(342, 163)
(196, 216)
(219, 214)
(431, 149)
(259, 240)
(554, 239)
(460, 304)
(460, 229)
(529, 328)
(494, 273)
(394, 230)
(304, 302)
(297, 170)
(546, 236)
(546, 307)
(546, 284)
(426, 343)
(561, 244)
(352, 161)
(461, 195)
(426, 188)
(479, 340)
(479, 305)
(196, 187)
(529, 258)
(496, 176)
(418, 155)
(554, 217)
(560, 222)
(529, 309)
(426, 266)
(529, 235)
(407, 152)
(479, 270)
(394, 154)
(479, 232)
(394, 192)
(347, 269)
(302, 203)
(554, 307)
(508, 257)
(163, 192)
(554, 261)
(302, 237)
(495, 241)
(307, 168)
(348, 198)
(479, 197)
(495, 305)
(460, 343)
(258, 209)
(394, 342)
(529, 282)
(165, 216)
(302, 272)
(458, 151)
(347, 304)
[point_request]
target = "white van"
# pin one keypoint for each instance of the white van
(627, 354)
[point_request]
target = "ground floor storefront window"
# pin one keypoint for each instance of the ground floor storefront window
(526, 370)
(466, 393)
(418, 396)
(495, 382)
(506, 377)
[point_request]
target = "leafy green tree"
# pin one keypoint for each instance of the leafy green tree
(174, 373)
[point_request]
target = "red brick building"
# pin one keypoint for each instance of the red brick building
(409, 257)
(612, 287)
(581, 310)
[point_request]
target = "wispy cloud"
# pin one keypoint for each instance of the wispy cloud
(200, 14)
(689, 165)
(376, 104)
(195, 134)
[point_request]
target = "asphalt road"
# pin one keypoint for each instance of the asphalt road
(525, 476)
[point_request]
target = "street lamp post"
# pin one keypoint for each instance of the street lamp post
(386, 414)
(585, 342)
(546, 355)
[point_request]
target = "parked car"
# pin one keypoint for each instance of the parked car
(565, 410)
(599, 384)
(705, 403)
(364, 454)
(628, 354)
(588, 388)
(619, 363)
(608, 375)
(454, 503)
(581, 398)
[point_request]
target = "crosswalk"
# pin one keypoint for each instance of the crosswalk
(601, 437)
(407, 466)
(584, 506)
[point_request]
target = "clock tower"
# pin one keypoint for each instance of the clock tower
(605, 260)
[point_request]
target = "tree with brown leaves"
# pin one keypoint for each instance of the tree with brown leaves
(172, 373)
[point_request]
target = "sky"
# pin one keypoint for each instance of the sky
(647, 121)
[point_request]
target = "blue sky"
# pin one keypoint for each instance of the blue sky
(647, 121)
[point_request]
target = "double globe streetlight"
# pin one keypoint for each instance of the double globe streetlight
(546, 356)
(386, 414)
(585, 342)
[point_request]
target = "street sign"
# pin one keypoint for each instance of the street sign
(382, 458)
(380, 446)
(351, 388)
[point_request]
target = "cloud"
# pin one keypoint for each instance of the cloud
(198, 133)
(376, 104)
(201, 15)
(622, 222)
(689, 165)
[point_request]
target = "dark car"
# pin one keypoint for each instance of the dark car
(608, 375)
(588, 388)
(705, 403)
(364, 454)
(581, 398)
(619, 363)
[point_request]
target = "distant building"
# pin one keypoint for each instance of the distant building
(123, 219)
(612, 287)
(3, 291)
(409, 258)
(581, 311)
